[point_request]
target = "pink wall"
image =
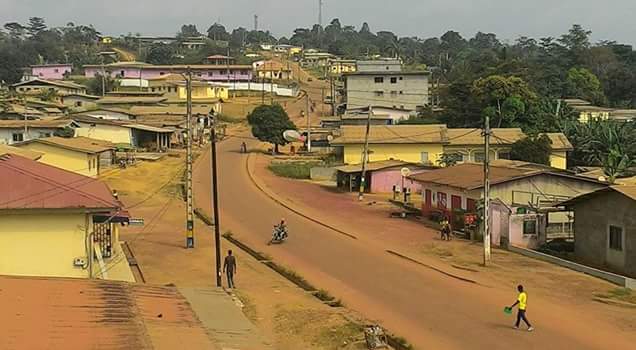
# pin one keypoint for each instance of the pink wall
(382, 181)
(51, 72)
(150, 73)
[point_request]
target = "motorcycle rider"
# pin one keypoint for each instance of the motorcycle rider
(280, 230)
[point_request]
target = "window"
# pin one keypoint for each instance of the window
(379, 93)
(530, 227)
(479, 157)
(401, 92)
(394, 93)
(378, 80)
(18, 137)
(45, 134)
(616, 238)
(161, 73)
(223, 71)
(90, 165)
(394, 80)
(504, 155)
(78, 103)
(424, 157)
(56, 70)
(152, 89)
(210, 74)
(401, 78)
(122, 73)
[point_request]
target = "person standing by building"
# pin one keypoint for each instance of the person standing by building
(229, 267)
(522, 301)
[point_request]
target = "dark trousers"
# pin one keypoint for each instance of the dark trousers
(230, 280)
(521, 315)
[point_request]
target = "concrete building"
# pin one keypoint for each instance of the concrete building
(14, 131)
(456, 190)
(381, 177)
(427, 143)
(145, 71)
(41, 86)
(51, 71)
(339, 67)
(392, 89)
(79, 102)
(605, 228)
(58, 223)
(80, 155)
(123, 132)
(379, 65)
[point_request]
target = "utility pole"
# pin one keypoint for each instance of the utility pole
(189, 195)
(263, 89)
(486, 233)
(256, 23)
(103, 77)
(365, 156)
(320, 12)
(322, 102)
(333, 96)
(215, 203)
(271, 83)
(308, 121)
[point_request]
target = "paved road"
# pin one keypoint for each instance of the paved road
(431, 310)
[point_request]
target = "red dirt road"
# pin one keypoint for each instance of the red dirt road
(431, 310)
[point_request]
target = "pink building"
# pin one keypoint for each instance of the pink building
(381, 176)
(51, 71)
(140, 70)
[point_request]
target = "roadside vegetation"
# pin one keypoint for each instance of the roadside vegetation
(293, 170)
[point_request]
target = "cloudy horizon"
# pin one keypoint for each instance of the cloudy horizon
(424, 19)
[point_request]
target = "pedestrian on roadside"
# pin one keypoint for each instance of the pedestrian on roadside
(522, 301)
(229, 267)
(243, 147)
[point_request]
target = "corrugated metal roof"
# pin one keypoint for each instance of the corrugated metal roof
(628, 190)
(59, 313)
(392, 134)
(372, 166)
(469, 176)
(27, 184)
(6, 149)
(80, 144)
(16, 124)
(130, 100)
(148, 128)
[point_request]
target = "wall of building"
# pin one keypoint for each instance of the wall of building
(51, 72)
(112, 133)
(408, 92)
(220, 74)
(38, 89)
(379, 66)
(77, 162)
(559, 160)
(204, 92)
(6, 135)
(382, 181)
(591, 232)
(411, 153)
(42, 244)
(78, 102)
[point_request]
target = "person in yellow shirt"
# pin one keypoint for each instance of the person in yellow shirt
(522, 301)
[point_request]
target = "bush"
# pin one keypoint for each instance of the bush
(294, 170)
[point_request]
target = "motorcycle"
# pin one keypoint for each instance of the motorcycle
(279, 235)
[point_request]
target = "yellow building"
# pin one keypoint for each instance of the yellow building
(57, 223)
(41, 86)
(80, 155)
(409, 143)
(338, 67)
(173, 87)
(587, 111)
(426, 144)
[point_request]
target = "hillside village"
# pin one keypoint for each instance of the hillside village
(109, 171)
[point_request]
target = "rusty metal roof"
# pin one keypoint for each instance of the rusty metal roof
(79, 144)
(27, 184)
(392, 134)
(470, 176)
(6, 149)
(59, 313)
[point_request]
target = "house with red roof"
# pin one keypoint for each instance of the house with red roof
(54, 222)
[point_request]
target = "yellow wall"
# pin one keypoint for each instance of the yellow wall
(558, 159)
(295, 50)
(77, 162)
(42, 244)
(586, 116)
(114, 134)
(339, 68)
(204, 92)
(404, 152)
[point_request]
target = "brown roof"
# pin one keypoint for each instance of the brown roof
(80, 144)
(169, 67)
(130, 100)
(6, 149)
(379, 165)
(16, 124)
(500, 136)
(469, 176)
(627, 190)
(559, 141)
(58, 83)
(28, 184)
(61, 313)
(167, 110)
(393, 134)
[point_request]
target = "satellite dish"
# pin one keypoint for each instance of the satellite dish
(602, 178)
(405, 172)
(292, 135)
(329, 138)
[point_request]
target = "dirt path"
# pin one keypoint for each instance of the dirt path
(430, 309)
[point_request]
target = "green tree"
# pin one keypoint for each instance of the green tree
(217, 32)
(188, 31)
(449, 159)
(505, 97)
(94, 85)
(581, 83)
(532, 149)
(35, 26)
(66, 132)
(160, 54)
(269, 123)
(16, 30)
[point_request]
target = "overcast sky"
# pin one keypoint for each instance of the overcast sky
(509, 19)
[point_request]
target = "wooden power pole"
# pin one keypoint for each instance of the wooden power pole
(365, 156)
(215, 202)
(189, 194)
(486, 233)
(308, 112)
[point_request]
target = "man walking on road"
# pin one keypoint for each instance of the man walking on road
(229, 267)
(522, 301)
